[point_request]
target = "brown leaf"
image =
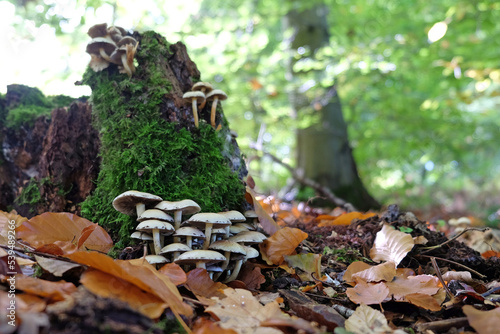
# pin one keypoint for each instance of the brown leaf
(174, 272)
(367, 320)
(5, 224)
(241, 312)
(109, 286)
(202, 285)
(54, 228)
(309, 263)
(268, 224)
(252, 276)
(382, 272)
(140, 273)
(54, 291)
(346, 218)
(354, 268)
(85, 234)
(484, 322)
(204, 326)
(368, 293)
(52, 249)
(425, 284)
(54, 266)
(391, 245)
(281, 243)
(424, 301)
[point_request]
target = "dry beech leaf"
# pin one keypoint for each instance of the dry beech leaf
(366, 320)
(309, 263)
(202, 286)
(139, 273)
(464, 276)
(52, 249)
(382, 272)
(425, 284)
(484, 322)
(268, 224)
(54, 266)
(54, 291)
(242, 312)
(424, 301)
(5, 219)
(174, 272)
(346, 218)
(354, 268)
(252, 276)
(63, 229)
(205, 326)
(109, 286)
(281, 243)
(391, 245)
(368, 293)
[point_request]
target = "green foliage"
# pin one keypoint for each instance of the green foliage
(345, 255)
(25, 115)
(31, 194)
(143, 151)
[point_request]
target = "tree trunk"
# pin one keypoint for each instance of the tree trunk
(323, 151)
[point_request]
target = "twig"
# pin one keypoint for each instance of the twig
(430, 248)
(324, 191)
(438, 273)
(442, 325)
(455, 263)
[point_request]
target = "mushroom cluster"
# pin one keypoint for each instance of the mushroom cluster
(218, 242)
(110, 45)
(200, 94)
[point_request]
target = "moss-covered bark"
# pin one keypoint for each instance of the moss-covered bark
(149, 142)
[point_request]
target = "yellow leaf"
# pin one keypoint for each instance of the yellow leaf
(309, 263)
(268, 224)
(345, 219)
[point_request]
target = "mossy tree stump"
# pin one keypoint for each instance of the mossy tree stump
(150, 143)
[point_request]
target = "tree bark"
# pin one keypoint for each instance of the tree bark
(323, 151)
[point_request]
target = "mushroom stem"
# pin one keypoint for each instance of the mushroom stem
(177, 223)
(212, 112)
(235, 272)
(201, 264)
(104, 55)
(189, 241)
(156, 240)
(195, 112)
(140, 208)
(125, 65)
(224, 264)
(208, 234)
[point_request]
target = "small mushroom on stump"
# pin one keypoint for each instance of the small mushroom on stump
(203, 87)
(195, 98)
(215, 95)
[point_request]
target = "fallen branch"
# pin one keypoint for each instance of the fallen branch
(322, 190)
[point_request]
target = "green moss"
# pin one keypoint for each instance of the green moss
(25, 115)
(31, 194)
(140, 150)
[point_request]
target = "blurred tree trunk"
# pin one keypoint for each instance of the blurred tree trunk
(323, 151)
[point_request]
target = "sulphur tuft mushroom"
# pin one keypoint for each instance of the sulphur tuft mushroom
(189, 233)
(155, 227)
(200, 258)
(195, 98)
(134, 202)
(101, 46)
(250, 254)
(215, 96)
(175, 249)
(205, 88)
(207, 220)
(178, 208)
(124, 54)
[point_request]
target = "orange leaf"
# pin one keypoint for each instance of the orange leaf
(176, 274)
(281, 243)
(50, 227)
(424, 301)
(423, 284)
(204, 326)
(368, 293)
(484, 322)
(55, 291)
(202, 285)
(50, 249)
(346, 218)
(490, 253)
(354, 268)
(252, 276)
(109, 286)
(85, 234)
(268, 224)
(382, 272)
(5, 224)
(138, 272)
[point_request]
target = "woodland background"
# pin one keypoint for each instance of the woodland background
(418, 83)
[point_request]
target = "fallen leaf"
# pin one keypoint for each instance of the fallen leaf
(240, 311)
(174, 272)
(109, 286)
(424, 301)
(391, 245)
(6, 219)
(382, 272)
(346, 218)
(268, 224)
(281, 243)
(204, 326)
(54, 266)
(52, 249)
(202, 286)
(368, 293)
(289, 324)
(490, 253)
(252, 277)
(354, 268)
(139, 273)
(484, 322)
(309, 263)
(65, 228)
(464, 276)
(366, 320)
(425, 284)
(54, 291)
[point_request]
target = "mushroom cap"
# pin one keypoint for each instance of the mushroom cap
(97, 63)
(98, 30)
(219, 230)
(155, 214)
(250, 237)
(234, 216)
(246, 225)
(216, 93)
(155, 224)
(189, 96)
(101, 43)
(228, 246)
(156, 259)
(122, 31)
(126, 202)
(187, 206)
(175, 247)
(250, 252)
(202, 85)
(215, 268)
(237, 228)
(250, 214)
(127, 40)
(188, 231)
(201, 219)
(116, 56)
(194, 256)
(142, 236)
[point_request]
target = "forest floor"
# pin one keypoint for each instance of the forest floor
(319, 271)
